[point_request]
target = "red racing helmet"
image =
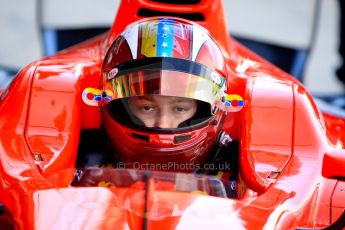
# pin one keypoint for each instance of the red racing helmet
(163, 58)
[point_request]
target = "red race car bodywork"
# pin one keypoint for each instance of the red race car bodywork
(291, 159)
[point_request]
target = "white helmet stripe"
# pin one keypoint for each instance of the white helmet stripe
(131, 35)
(199, 37)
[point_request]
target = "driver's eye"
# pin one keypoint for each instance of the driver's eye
(148, 108)
(180, 109)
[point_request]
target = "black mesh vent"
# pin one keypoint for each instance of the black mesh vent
(178, 139)
(153, 13)
(178, 2)
(140, 137)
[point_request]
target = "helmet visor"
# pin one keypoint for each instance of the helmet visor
(163, 92)
(165, 77)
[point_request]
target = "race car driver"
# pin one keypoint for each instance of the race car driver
(164, 80)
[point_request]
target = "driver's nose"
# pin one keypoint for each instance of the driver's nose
(164, 121)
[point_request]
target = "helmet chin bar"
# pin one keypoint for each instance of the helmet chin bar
(193, 146)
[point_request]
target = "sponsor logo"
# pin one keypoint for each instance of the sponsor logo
(92, 96)
(112, 73)
(233, 103)
(216, 78)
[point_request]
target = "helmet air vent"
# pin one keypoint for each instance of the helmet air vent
(154, 13)
(140, 137)
(178, 139)
(178, 2)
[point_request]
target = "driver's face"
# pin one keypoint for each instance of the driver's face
(162, 111)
